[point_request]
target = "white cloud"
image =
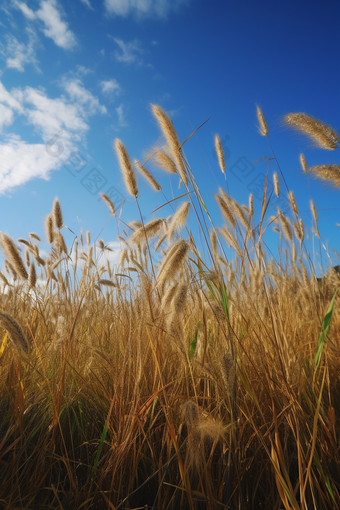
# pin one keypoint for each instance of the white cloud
(6, 116)
(110, 86)
(22, 161)
(55, 27)
(87, 3)
(82, 70)
(62, 120)
(78, 93)
(142, 8)
(27, 12)
(17, 53)
(121, 115)
(130, 51)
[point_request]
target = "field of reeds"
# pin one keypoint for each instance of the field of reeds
(173, 380)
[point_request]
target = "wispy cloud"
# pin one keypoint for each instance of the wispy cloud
(84, 97)
(18, 54)
(110, 87)
(143, 8)
(53, 25)
(55, 28)
(87, 3)
(27, 12)
(130, 52)
(64, 116)
(121, 115)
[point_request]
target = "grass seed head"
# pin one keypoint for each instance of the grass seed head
(57, 214)
(322, 135)
(220, 154)
(262, 122)
(148, 177)
(276, 184)
(126, 168)
(15, 333)
(329, 173)
(303, 163)
(169, 132)
(109, 203)
(13, 256)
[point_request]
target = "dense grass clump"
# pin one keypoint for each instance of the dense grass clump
(173, 380)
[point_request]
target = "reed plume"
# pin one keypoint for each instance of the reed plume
(231, 241)
(108, 283)
(251, 206)
(15, 333)
(126, 168)
(32, 275)
(148, 177)
(263, 129)
(322, 135)
(163, 161)
(220, 154)
(285, 226)
(179, 219)
(57, 214)
(49, 228)
(171, 137)
(151, 229)
(329, 173)
(303, 163)
(173, 261)
(313, 209)
(12, 253)
(276, 184)
(109, 203)
(226, 212)
(293, 203)
(34, 236)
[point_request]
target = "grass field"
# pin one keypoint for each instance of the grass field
(172, 381)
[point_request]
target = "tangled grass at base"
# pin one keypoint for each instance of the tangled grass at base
(173, 382)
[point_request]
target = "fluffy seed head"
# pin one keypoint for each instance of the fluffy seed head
(32, 275)
(15, 333)
(109, 203)
(108, 283)
(178, 219)
(313, 209)
(293, 203)
(49, 228)
(57, 214)
(126, 168)
(35, 236)
(276, 184)
(251, 205)
(285, 226)
(228, 215)
(303, 163)
(262, 121)
(167, 127)
(219, 152)
(322, 135)
(12, 253)
(173, 261)
(148, 177)
(329, 173)
(149, 230)
(163, 161)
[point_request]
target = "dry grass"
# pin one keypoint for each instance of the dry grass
(172, 383)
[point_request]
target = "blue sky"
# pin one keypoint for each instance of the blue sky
(84, 73)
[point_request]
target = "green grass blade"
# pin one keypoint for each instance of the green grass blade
(325, 325)
(101, 443)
